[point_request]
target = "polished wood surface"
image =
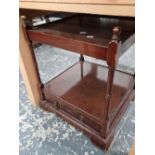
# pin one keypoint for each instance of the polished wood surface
(85, 33)
(91, 97)
(79, 96)
(79, 91)
(102, 7)
(100, 27)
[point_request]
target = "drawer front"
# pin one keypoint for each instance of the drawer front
(76, 114)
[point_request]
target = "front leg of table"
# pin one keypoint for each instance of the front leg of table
(112, 57)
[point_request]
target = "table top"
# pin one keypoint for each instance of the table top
(102, 7)
(93, 29)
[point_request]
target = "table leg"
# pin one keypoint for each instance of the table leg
(81, 64)
(111, 71)
(28, 66)
(112, 58)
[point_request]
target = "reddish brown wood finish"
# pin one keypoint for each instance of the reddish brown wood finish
(74, 45)
(82, 101)
(89, 96)
(112, 57)
(79, 92)
(67, 34)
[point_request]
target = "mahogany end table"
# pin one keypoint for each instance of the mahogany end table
(91, 97)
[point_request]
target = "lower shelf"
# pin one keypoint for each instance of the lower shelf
(78, 95)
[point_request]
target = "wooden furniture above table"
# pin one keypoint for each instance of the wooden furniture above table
(101, 7)
(90, 96)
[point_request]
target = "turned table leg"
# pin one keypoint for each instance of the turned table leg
(111, 71)
(112, 56)
(81, 58)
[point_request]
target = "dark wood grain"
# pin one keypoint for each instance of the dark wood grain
(88, 29)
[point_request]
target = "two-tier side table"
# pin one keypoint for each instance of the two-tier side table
(91, 97)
